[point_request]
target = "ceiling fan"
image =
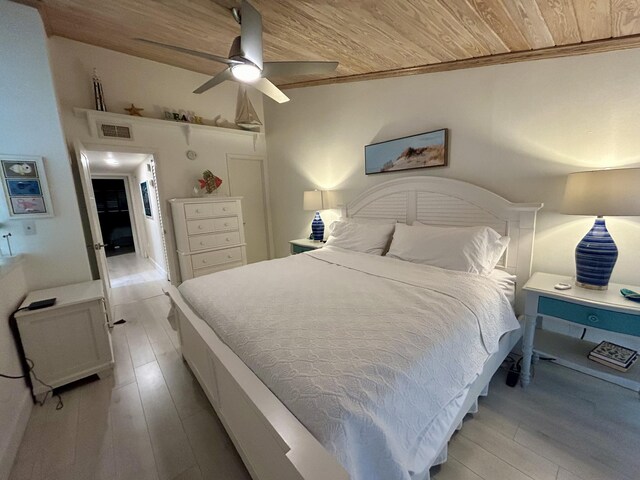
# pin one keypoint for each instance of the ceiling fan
(245, 63)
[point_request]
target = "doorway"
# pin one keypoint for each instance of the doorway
(124, 201)
(247, 180)
(114, 215)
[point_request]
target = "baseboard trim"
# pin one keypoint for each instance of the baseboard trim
(14, 433)
(158, 267)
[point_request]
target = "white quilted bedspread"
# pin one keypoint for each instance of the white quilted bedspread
(364, 350)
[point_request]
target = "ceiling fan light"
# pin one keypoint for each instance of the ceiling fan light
(246, 72)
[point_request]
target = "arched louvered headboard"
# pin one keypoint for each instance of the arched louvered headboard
(446, 202)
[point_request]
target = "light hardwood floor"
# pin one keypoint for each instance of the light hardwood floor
(151, 420)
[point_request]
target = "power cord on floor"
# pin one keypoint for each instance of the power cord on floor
(28, 365)
(514, 368)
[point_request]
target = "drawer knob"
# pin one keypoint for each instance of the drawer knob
(224, 209)
(227, 239)
(202, 243)
(204, 260)
(229, 256)
(593, 318)
(226, 224)
(199, 227)
(197, 210)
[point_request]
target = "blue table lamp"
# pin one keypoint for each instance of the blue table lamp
(313, 201)
(601, 193)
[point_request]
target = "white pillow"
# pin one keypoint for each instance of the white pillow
(464, 249)
(360, 237)
(369, 221)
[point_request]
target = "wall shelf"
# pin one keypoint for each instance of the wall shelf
(187, 128)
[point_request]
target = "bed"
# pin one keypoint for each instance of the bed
(296, 400)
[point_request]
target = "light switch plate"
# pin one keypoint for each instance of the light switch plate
(29, 227)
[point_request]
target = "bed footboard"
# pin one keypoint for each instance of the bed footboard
(273, 444)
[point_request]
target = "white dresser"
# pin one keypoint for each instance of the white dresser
(209, 234)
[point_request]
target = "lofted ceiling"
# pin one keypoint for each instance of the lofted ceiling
(370, 38)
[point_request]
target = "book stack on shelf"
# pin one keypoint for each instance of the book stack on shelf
(614, 356)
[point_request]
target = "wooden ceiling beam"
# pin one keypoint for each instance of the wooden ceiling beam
(596, 46)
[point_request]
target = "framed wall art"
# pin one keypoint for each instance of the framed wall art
(25, 188)
(146, 203)
(424, 150)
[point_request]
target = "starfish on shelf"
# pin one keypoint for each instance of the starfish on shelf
(134, 111)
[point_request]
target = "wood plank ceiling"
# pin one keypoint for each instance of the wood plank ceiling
(370, 38)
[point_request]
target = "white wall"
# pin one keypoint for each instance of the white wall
(515, 129)
(15, 401)
(30, 125)
(153, 247)
(154, 87)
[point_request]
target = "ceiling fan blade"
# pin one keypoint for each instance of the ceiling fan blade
(219, 78)
(292, 69)
(251, 33)
(208, 56)
(270, 90)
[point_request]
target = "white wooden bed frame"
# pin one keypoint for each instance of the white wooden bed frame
(273, 444)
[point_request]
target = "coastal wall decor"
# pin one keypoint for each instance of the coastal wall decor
(146, 203)
(98, 94)
(25, 186)
(183, 116)
(424, 150)
(246, 116)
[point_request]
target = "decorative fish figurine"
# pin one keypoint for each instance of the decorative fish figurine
(21, 169)
(209, 181)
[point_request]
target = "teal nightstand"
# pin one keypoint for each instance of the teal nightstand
(605, 310)
(304, 245)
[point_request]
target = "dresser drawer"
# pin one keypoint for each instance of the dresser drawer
(201, 242)
(198, 210)
(203, 210)
(225, 208)
(211, 225)
(216, 268)
(590, 316)
(218, 257)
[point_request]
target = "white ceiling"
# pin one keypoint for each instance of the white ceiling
(114, 162)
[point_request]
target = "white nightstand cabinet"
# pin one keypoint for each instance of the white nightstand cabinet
(605, 310)
(70, 340)
(209, 234)
(302, 245)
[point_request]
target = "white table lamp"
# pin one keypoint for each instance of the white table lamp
(600, 192)
(313, 201)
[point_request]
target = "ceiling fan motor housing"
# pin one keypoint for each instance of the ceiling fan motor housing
(235, 52)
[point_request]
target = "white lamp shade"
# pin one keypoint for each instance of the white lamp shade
(603, 193)
(313, 200)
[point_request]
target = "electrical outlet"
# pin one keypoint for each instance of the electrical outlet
(29, 227)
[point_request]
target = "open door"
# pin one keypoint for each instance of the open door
(94, 224)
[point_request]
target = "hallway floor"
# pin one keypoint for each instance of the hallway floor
(134, 278)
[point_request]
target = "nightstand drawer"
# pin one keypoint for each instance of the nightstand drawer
(299, 248)
(590, 316)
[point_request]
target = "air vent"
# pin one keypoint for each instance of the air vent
(109, 130)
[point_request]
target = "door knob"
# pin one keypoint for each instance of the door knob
(99, 246)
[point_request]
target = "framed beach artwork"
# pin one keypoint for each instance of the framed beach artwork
(424, 150)
(146, 203)
(25, 188)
